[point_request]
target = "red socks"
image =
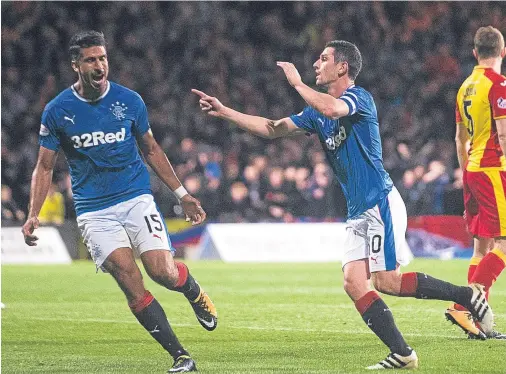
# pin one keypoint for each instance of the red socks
(183, 274)
(409, 283)
(143, 304)
(485, 271)
(186, 284)
(366, 301)
(489, 268)
(472, 269)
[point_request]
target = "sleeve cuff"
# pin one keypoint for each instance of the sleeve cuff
(351, 105)
(51, 147)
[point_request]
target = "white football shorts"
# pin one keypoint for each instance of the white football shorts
(136, 223)
(379, 234)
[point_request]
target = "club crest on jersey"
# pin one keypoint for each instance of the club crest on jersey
(334, 141)
(118, 110)
(501, 103)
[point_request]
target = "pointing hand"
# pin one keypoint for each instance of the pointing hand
(209, 104)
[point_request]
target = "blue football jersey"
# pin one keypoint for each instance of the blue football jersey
(352, 145)
(99, 141)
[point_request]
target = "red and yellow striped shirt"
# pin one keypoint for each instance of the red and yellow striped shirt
(480, 101)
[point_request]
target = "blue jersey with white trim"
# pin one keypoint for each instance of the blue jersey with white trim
(352, 145)
(99, 141)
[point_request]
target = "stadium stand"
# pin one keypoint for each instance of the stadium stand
(415, 56)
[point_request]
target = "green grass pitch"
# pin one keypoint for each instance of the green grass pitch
(273, 318)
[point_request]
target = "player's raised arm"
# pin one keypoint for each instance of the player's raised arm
(260, 126)
(324, 103)
(41, 180)
(157, 159)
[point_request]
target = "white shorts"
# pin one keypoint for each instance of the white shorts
(379, 235)
(136, 223)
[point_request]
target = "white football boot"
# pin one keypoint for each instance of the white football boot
(396, 361)
(480, 309)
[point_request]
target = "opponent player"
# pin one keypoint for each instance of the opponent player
(345, 121)
(481, 118)
(98, 124)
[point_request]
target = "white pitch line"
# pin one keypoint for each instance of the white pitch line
(238, 327)
(396, 308)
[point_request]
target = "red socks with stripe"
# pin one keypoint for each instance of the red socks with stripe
(151, 316)
(366, 301)
(489, 268)
(485, 271)
(423, 286)
(141, 305)
(409, 284)
(183, 274)
(186, 284)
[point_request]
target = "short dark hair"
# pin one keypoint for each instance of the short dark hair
(346, 51)
(85, 39)
(488, 42)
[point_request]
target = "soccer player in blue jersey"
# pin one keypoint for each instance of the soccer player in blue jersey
(346, 123)
(99, 124)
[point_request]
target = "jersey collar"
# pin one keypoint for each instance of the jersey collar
(87, 100)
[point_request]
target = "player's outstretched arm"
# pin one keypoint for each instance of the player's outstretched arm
(41, 180)
(324, 103)
(260, 126)
(159, 162)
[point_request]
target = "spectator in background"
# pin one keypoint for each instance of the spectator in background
(53, 209)
(231, 172)
(436, 179)
(321, 201)
(442, 65)
(10, 210)
(213, 192)
(193, 184)
(251, 176)
(454, 205)
(237, 207)
(277, 195)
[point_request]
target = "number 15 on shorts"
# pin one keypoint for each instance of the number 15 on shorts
(153, 221)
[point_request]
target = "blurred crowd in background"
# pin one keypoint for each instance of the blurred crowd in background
(416, 55)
